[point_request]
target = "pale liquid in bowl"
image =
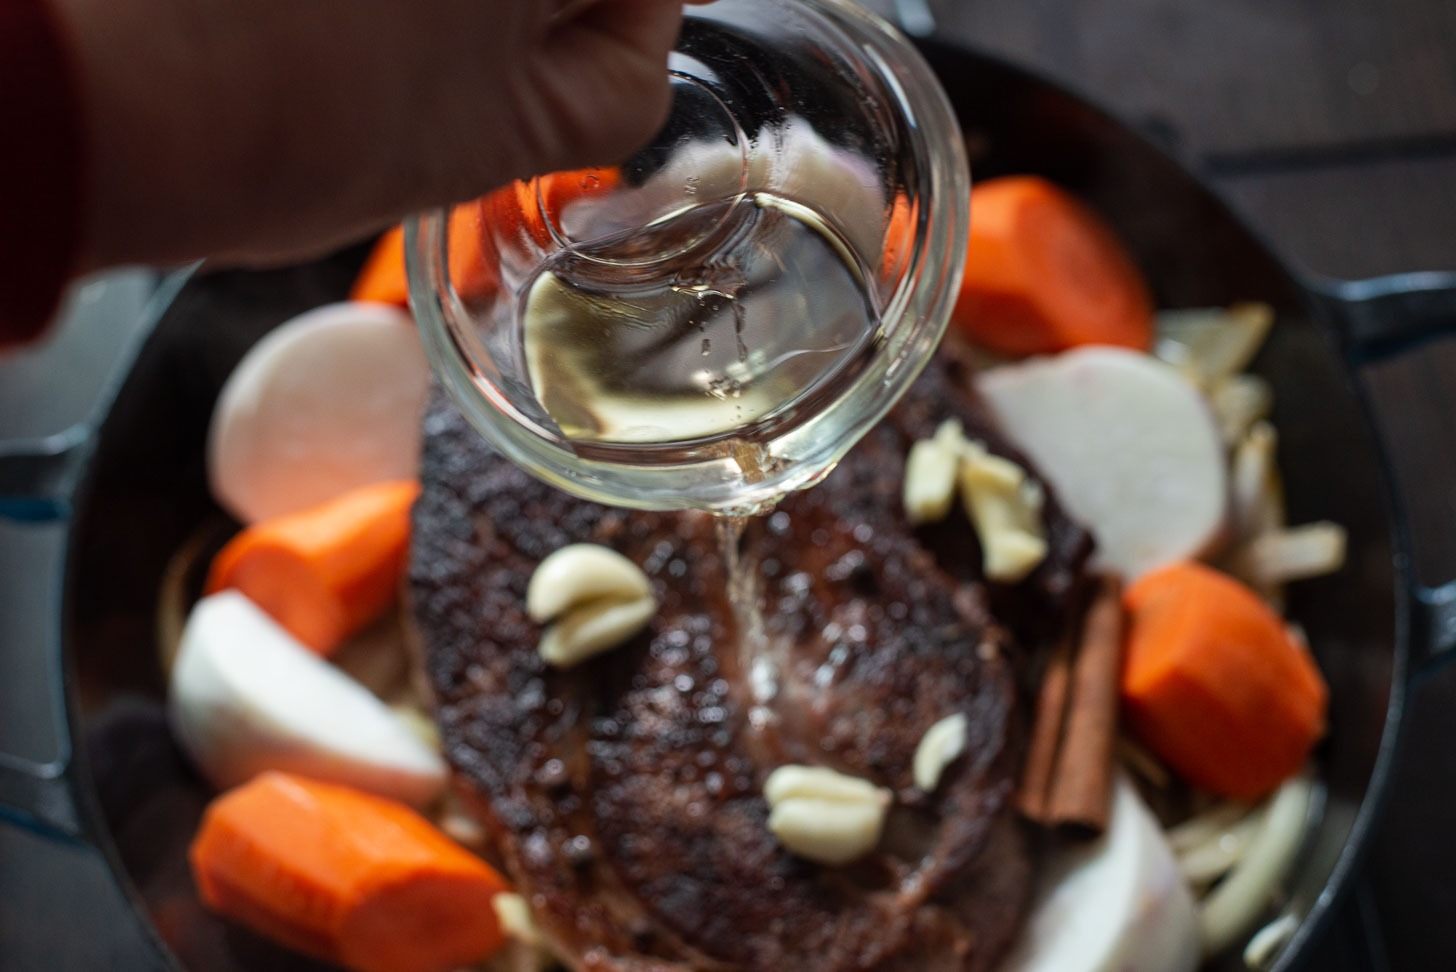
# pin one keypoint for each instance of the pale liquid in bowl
(658, 360)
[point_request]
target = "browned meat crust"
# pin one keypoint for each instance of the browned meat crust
(624, 796)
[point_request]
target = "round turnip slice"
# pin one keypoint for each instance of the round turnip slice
(1130, 447)
(326, 402)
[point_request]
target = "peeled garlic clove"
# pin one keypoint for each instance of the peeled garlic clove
(939, 747)
(581, 573)
(930, 477)
(823, 815)
(930, 473)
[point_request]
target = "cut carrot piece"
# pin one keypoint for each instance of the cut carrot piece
(345, 876)
(560, 189)
(1044, 273)
(1213, 683)
(473, 263)
(523, 208)
(382, 279)
(325, 572)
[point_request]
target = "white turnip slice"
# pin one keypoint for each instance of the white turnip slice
(246, 696)
(328, 401)
(1129, 446)
(1117, 904)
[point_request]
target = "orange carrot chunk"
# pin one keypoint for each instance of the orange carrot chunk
(474, 262)
(1214, 684)
(382, 279)
(325, 572)
(561, 189)
(345, 876)
(474, 266)
(1044, 273)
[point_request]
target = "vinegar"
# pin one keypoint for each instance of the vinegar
(729, 351)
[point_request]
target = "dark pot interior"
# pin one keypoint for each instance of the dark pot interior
(146, 493)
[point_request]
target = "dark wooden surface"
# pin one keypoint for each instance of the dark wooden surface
(1241, 77)
(1331, 126)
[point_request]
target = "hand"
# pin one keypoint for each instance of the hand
(263, 130)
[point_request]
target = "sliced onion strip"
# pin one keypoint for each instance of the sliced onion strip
(1218, 342)
(1206, 862)
(1238, 402)
(1256, 500)
(1229, 910)
(1297, 553)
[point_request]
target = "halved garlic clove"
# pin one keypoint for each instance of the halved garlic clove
(930, 473)
(930, 478)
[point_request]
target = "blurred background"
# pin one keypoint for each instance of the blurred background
(1330, 125)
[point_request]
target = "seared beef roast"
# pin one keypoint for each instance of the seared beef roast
(625, 795)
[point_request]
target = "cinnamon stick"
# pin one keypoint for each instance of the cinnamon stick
(1068, 777)
(1034, 795)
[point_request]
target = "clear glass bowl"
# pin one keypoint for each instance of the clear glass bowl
(718, 320)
